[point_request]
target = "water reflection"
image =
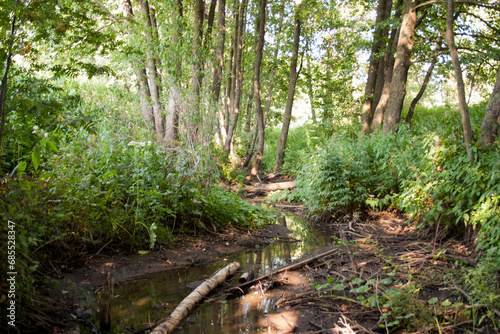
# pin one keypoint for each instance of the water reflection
(142, 301)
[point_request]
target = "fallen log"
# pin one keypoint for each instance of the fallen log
(270, 187)
(287, 268)
(183, 309)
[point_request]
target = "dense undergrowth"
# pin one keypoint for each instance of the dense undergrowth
(423, 172)
(87, 174)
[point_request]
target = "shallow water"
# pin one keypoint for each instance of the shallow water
(138, 302)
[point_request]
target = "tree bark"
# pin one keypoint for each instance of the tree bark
(218, 68)
(385, 49)
(275, 58)
(310, 91)
(462, 103)
(142, 80)
(491, 120)
(366, 110)
(175, 104)
(280, 152)
(424, 84)
(152, 72)
(378, 113)
(183, 309)
(196, 75)
(237, 77)
(401, 65)
(5, 78)
(257, 90)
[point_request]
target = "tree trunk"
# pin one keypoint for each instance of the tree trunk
(385, 48)
(310, 91)
(183, 309)
(5, 78)
(489, 127)
(218, 68)
(152, 72)
(366, 111)
(424, 84)
(462, 103)
(175, 105)
(238, 77)
(256, 84)
(210, 23)
(280, 152)
(275, 58)
(401, 65)
(196, 78)
(142, 81)
(378, 113)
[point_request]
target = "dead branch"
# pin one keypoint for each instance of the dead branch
(183, 309)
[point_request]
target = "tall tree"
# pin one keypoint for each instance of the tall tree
(427, 78)
(237, 76)
(174, 99)
(402, 64)
(152, 70)
(280, 152)
(5, 77)
(491, 120)
(259, 115)
(366, 112)
(386, 71)
(275, 58)
(142, 81)
(219, 65)
(462, 102)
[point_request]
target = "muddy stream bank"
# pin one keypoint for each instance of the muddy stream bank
(143, 299)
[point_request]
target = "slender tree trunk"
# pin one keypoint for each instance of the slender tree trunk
(280, 152)
(310, 91)
(217, 75)
(385, 48)
(238, 77)
(389, 60)
(424, 84)
(197, 44)
(257, 90)
(366, 110)
(248, 120)
(462, 103)
(401, 65)
(175, 104)
(251, 150)
(210, 23)
(491, 120)
(142, 80)
(152, 72)
(5, 78)
(275, 57)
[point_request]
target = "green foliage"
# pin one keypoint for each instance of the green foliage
(483, 284)
(423, 172)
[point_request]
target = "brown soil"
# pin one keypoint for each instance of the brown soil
(379, 247)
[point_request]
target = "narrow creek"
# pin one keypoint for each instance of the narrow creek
(145, 299)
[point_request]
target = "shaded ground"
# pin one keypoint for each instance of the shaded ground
(384, 278)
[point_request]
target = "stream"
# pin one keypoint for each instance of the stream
(145, 299)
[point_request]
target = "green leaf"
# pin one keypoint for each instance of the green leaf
(357, 281)
(21, 168)
(433, 301)
(35, 157)
(52, 146)
(386, 281)
(339, 287)
(143, 252)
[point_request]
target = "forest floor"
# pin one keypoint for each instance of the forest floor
(385, 277)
